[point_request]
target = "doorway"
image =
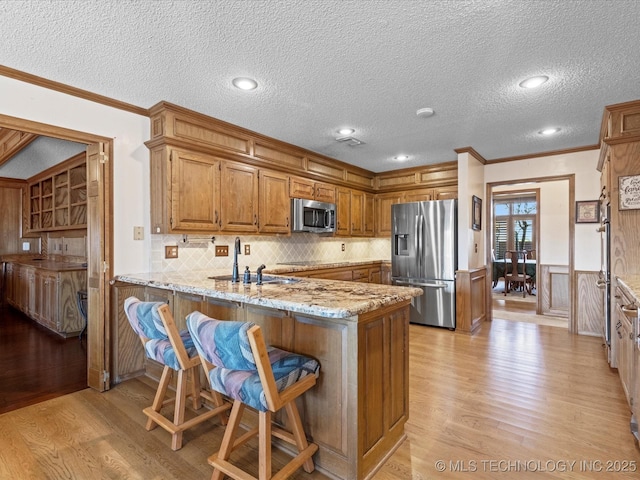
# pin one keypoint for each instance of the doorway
(99, 238)
(549, 235)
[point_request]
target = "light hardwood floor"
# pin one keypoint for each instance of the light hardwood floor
(514, 395)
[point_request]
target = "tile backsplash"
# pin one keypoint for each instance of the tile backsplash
(199, 252)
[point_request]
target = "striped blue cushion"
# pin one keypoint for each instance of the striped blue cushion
(226, 345)
(146, 322)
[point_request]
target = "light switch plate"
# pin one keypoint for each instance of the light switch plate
(222, 250)
(247, 249)
(170, 251)
(138, 233)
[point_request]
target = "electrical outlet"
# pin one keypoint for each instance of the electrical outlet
(138, 233)
(247, 249)
(222, 250)
(343, 247)
(170, 251)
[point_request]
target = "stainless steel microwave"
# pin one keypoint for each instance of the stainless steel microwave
(312, 216)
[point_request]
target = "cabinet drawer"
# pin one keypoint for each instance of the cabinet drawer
(340, 275)
(361, 275)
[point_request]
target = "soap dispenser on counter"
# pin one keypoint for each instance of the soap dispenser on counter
(247, 276)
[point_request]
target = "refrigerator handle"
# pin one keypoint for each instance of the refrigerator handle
(420, 284)
(418, 241)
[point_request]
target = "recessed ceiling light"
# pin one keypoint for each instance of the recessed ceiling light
(401, 158)
(425, 112)
(244, 83)
(549, 131)
(534, 82)
(346, 131)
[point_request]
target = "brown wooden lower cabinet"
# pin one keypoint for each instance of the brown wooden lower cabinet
(357, 410)
(372, 273)
(47, 295)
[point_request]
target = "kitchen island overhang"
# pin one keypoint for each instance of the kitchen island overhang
(358, 332)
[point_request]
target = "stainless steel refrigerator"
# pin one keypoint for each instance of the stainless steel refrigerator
(424, 255)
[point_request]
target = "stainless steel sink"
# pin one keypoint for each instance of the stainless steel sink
(266, 279)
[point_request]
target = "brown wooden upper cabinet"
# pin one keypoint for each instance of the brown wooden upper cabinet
(426, 194)
(239, 198)
(383, 212)
(275, 206)
(343, 212)
(304, 188)
(385, 200)
(57, 197)
(194, 193)
(355, 213)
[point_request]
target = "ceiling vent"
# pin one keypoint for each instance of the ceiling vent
(351, 141)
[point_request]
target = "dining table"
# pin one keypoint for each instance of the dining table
(499, 265)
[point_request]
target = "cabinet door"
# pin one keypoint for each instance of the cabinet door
(324, 192)
(9, 283)
(419, 195)
(360, 275)
(195, 192)
(183, 305)
(48, 300)
(624, 351)
(23, 301)
(357, 213)
(375, 275)
(301, 188)
(343, 214)
(445, 193)
(31, 307)
(239, 198)
(369, 215)
(275, 206)
(383, 212)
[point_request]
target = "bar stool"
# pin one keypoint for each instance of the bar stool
(162, 342)
(239, 365)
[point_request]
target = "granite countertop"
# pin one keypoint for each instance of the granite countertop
(632, 283)
(323, 298)
(46, 264)
(320, 265)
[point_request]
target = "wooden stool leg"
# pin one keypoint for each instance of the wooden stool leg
(298, 433)
(160, 394)
(264, 439)
(226, 447)
(178, 412)
(196, 400)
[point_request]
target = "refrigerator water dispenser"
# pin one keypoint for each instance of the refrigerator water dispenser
(402, 244)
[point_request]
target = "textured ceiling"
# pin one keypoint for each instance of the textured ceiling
(324, 64)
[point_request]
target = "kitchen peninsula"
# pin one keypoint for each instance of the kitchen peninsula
(358, 332)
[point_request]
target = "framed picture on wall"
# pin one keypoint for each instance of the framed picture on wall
(629, 187)
(476, 213)
(588, 211)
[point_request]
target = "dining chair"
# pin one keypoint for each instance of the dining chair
(239, 365)
(162, 342)
(515, 271)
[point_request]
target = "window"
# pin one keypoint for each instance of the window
(514, 223)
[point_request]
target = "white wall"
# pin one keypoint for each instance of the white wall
(470, 183)
(130, 157)
(553, 213)
(555, 201)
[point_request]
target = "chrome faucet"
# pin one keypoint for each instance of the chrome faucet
(235, 277)
(259, 274)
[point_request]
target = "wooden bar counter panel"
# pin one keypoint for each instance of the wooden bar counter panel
(359, 334)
